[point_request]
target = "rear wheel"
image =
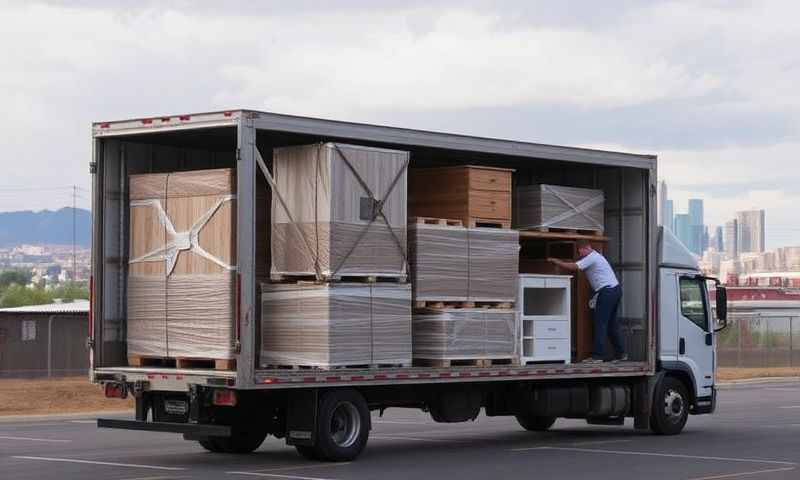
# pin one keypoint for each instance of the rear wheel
(670, 407)
(239, 442)
(535, 424)
(343, 425)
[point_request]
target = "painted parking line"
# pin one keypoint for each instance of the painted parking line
(92, 462)
(668, 455)
(302, 467)
(276, 475)
(790, 406)
(744, 474)
(93, 422)
(413, 439)
(30, 439)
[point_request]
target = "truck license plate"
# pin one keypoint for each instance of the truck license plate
(176, 407)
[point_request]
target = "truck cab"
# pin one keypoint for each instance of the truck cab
(686, 332)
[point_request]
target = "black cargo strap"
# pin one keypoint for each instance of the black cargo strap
(377, 210)
(273, 185)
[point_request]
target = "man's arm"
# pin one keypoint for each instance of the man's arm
(571, 266)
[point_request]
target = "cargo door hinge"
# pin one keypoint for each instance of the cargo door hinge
(92, 167)
(238, 154)
(89, 343)
(653, 191)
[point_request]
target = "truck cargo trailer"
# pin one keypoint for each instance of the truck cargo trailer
(232, 404)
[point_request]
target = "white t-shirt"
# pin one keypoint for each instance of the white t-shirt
(598, 271)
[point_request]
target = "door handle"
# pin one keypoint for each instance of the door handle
(682, 346)
(709, 339)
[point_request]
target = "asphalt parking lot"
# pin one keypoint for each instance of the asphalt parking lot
(754, 435)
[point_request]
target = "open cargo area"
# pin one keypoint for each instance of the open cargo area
(371, 255)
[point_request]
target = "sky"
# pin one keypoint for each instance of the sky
(711, 87)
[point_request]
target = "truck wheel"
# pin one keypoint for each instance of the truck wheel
(343, 425)
(534, 423)
(240, 442)
(670, 407)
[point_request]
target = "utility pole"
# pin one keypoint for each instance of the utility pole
(74, 205)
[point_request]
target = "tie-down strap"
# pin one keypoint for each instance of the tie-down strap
(177, 242)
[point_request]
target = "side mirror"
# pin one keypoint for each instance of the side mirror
(722, 306)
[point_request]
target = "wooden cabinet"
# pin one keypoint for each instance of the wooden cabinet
(478, 196)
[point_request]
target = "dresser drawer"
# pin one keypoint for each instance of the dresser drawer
(551, 349)
(489, 179)
(489, 204)
(550, 329)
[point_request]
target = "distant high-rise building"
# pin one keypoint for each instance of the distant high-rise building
(669, 217)
(719, 243)
(696, 228)
(663, 219)
(751, 230)
(682, 230)
(731, 239)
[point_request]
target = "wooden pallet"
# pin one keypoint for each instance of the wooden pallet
(462, 304)
(364, 366)
(437, 221)
(466, 362)
(567, 231)
(473, 222)
(188, 363)
(312, 279)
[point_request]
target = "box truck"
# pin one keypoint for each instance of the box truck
(666, 315)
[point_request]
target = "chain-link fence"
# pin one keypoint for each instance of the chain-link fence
(759, 340)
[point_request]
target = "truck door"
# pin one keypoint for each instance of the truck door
(695, 335)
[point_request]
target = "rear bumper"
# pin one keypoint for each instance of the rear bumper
(190, 429)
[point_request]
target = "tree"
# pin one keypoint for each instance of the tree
(19, 296)
(11, 277)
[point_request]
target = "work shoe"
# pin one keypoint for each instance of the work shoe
(621, 358)
(591, 360)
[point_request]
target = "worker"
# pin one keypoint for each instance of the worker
(604, 301)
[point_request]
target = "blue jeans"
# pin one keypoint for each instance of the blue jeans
(606, 323)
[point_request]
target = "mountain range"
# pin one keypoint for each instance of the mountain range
(45, 227)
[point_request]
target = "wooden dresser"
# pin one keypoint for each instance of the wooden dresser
(478, 196)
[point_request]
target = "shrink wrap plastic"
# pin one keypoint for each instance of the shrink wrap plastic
(540, 206)
(439, 262)
(345, 211)
(339, 324)
(464, 333)
(493, 264)
(181, 277)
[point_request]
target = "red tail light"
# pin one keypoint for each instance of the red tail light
(225, 398)
(116, 390)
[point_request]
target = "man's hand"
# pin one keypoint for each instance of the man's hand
(571, 266)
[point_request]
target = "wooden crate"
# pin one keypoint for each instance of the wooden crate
(478, 196)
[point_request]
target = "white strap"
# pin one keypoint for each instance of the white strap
(180, 241)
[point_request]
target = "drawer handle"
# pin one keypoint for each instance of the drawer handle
(551, 329)
(491, 180)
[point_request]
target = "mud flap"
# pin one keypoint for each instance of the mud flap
(301, 417)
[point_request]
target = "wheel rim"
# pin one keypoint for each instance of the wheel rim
(345, 424)
(674, 405)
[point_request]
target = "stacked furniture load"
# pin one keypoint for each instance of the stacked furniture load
(181, 269)
(464, 277)
(555, 207)
(339, 248)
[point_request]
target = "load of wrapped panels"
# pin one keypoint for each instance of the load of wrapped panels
(493, 264)
(464, 333)
(438, 257)
(554, 206)
(450, 263)
(335, 324)
(181, 265)
(339, 210)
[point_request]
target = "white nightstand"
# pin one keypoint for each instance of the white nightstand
(543, 306)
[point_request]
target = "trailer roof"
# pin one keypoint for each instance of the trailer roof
(374, 133)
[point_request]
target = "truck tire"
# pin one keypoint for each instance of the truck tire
(670, 407)
(343, 424)
(241, 442)
(534, 423)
